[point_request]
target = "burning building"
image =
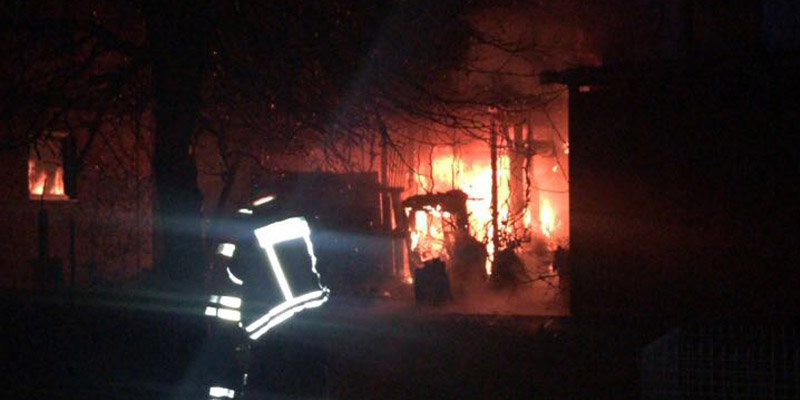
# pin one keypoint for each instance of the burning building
(483, 198)
(521, 197)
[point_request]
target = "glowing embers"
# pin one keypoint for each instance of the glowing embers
(268, 237)
(218, 392)
(224, 307)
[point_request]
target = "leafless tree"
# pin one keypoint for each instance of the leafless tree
(260, 79)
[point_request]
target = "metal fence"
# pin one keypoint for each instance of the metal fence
(724, 360)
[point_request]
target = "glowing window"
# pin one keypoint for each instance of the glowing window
(46, 169)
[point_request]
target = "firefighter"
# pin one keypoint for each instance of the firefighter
(264, 272)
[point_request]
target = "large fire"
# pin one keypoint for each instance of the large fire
(472, 173)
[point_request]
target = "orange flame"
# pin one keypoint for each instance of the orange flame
(427, 237)
(35, 181)
(527, 219)
(40, 184)
(472, 174)
(547, 218)
(474, 179)
(57, 188)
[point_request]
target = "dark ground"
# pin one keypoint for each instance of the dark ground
(121, 346)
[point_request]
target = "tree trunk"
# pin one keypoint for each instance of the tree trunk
(178, 34)
(532, 198)
(517, 179)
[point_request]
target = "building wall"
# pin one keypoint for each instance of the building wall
(683, 184)
(18, 238)
(111, 226)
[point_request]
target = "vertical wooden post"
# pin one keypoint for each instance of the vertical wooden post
(532, 199)
(517, 178)
(386, 210)
(73, 263)
(43, 232)
(398, 238)
(493, 155)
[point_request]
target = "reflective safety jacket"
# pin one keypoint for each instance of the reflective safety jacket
(266, 272)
